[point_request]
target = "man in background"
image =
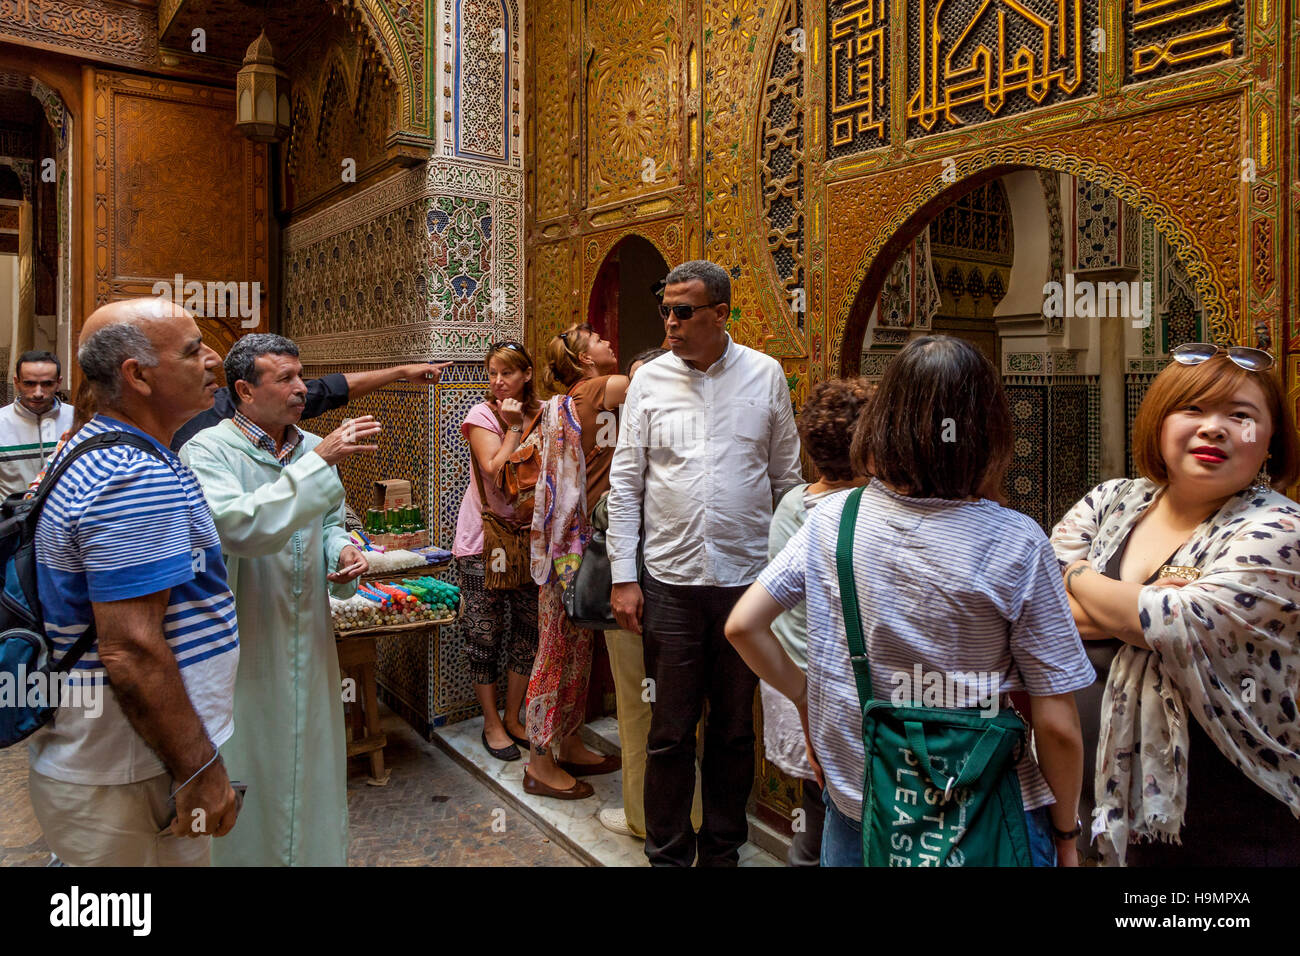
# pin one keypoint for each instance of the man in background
(31, 427)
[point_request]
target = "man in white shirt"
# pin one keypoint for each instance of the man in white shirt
(707, 445)
(31, 427)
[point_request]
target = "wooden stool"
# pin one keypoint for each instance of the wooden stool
(357, 658)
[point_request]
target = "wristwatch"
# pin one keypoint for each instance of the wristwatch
(1067, 834)
(517, 428)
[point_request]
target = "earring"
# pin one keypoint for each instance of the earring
(1263, 481)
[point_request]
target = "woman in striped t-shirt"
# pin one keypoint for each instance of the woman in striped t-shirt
(951, 584)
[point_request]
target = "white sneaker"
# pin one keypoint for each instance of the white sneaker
(616, 820)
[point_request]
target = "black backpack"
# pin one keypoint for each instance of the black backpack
(28, 683)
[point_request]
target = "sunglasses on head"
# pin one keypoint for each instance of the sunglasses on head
(508, 345)
(683, 311)
(564, 336)
(1194, 353)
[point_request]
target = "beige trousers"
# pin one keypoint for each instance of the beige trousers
(627, 663)
(120, 825)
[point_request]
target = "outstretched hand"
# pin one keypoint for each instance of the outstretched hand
(423, 372)
(352, 564)
(348, 439)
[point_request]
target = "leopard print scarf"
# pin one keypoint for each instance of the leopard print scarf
(1225, 649)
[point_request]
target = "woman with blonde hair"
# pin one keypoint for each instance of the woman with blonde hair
(580, 429)
(1195, 569)
(494, 429)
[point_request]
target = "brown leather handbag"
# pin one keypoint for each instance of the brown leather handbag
(506, 545)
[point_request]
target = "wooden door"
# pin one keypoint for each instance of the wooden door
(176, 189)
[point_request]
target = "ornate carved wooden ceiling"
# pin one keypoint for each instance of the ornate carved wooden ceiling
(231, 25)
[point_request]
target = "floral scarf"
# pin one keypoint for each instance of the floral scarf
(560, 529)
(1225, 649)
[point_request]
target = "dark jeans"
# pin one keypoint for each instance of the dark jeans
(806, 843)
(690, 660)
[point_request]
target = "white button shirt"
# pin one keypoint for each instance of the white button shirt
(702, 456)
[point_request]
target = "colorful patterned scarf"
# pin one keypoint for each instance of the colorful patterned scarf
(557, 688)
(560, 529)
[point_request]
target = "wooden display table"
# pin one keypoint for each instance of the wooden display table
(358, 657)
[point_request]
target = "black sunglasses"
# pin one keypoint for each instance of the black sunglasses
(683, 311)
(510, 345)
(585, 327)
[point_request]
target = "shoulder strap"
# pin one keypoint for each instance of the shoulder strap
(478, 481)
(530, 426)
(849, 595)
(473, 461)
(102, 440)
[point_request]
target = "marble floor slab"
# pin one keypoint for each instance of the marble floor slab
(572, 822)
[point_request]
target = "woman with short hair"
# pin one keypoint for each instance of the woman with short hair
(826, 424)
(950, 584)
(1193, 570)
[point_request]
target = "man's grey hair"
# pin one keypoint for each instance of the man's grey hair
(716, 281)
(241, 361)
(102, 354)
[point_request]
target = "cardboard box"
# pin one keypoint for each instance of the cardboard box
(393, 493)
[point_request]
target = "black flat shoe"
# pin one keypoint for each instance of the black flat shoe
(505, 753)
(521, 741)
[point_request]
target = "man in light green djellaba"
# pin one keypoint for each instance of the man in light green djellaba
(277, 502)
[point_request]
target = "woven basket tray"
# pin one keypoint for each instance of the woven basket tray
(393, 628)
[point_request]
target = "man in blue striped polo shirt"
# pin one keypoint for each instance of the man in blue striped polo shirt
(127, 540)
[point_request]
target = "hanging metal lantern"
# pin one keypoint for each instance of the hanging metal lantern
(262, 94)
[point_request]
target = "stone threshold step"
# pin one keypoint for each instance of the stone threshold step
(602, 736)
(574, 824)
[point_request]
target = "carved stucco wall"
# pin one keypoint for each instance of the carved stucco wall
(818, 136)
(411, 264)
(804, 167)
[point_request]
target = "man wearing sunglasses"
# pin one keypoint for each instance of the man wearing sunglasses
(707, 445)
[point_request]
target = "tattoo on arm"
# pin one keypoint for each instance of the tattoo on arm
(1069, 578)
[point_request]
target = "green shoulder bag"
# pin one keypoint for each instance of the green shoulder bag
(940, 786)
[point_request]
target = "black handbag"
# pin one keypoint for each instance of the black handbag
(586, 599)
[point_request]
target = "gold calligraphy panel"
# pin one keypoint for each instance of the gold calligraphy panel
(970, 61)
(857, 109)
(1170, 36)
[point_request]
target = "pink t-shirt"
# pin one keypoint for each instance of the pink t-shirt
(469, 524)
